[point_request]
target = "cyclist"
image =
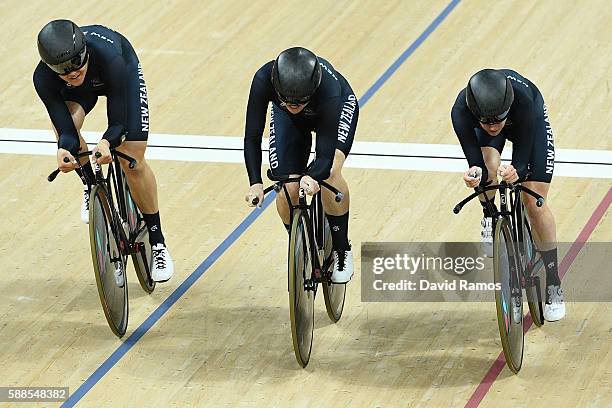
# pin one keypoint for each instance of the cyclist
(502, 104)
(307, 95)
(78, 65)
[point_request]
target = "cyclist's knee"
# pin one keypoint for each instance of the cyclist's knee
(540, 188)
(292, 190)
(492, 167)
(532, 209)
(136, 150)
(492, 159)
(281, 200)
(77, 113)
(137, 171)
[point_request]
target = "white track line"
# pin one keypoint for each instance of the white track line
(370, 155)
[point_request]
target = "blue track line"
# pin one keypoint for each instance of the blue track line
(167, 304)
(412, 48)
(240, 229)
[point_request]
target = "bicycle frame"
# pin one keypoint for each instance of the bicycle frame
(510, 202)
(114, 173)
(315, 214)
(511, 208)
(112, 208)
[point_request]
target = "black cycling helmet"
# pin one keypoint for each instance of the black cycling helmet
(489, 95)
(296, 75)
(61, 45)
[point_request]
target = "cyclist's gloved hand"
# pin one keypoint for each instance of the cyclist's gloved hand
(508, 173)
(472, 177)
(255, 191)
(104, 148)
(61, 164)
(310, 185)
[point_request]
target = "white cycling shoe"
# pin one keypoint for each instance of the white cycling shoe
(343, 266)
(554, 308)
(85, 205)
(162, 266)
(486, 236)
(119, 277)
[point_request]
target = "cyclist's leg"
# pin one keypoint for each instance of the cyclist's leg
(541, 166)
(288, 155)
(282, 206)
(141, 178)
(492, 159)
(338, 212)
(337, 180)
(542, 219)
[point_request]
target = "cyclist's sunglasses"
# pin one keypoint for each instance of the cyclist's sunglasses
(492, 120)
(294, 101)
(73, 64)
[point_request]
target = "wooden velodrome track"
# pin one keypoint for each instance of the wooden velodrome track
(226, 341)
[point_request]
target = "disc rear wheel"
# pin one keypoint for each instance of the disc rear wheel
(140, 236)
(334, 293)
(531, 266)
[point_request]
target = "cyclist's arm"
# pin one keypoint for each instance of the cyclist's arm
(327, 137)
(116, 110)
(525, 123)
(464, 128)
(257, 107)
(48, 86)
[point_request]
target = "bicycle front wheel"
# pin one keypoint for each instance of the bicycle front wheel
(508, 296)
(108, 261)
(301, 288)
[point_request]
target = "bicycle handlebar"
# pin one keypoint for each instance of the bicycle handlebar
(503, 185)
(285, 179)
(132, 162)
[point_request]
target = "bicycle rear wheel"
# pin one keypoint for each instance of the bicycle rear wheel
(139, 235)
(531, 265)
(508, 299)
(333, 293)
(301, 299)
(108, 261)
